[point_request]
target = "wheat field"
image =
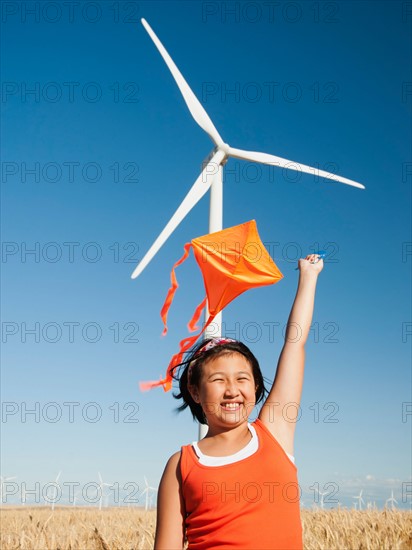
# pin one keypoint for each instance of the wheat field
(131, 529)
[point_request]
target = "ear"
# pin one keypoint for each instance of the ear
(194, 392)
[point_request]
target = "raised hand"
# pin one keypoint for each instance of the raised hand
(313, 263)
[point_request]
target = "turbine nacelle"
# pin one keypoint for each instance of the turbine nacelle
(225, 147)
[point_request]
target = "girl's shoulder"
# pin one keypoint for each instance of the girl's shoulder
(172, 469)
(174, 460)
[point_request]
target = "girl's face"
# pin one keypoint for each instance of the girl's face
(227, 390)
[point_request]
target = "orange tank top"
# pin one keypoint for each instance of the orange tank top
(249, 504)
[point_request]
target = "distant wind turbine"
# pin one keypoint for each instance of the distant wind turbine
(322, 505)
(101, 485)
(360, 500)
(55, 492)
(3, 480)
(146, 491)
(76, 494)
(211, 175)
(392, 500)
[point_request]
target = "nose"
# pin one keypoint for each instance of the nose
(231, 389)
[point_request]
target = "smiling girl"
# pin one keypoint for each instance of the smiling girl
(238, 487)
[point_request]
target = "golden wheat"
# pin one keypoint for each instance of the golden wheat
(130, 529)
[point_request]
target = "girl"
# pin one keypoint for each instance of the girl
(237, 487)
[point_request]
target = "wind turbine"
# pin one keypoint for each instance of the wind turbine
(360, 500)
(321, 497)
(3, 480)
(392, 500)
(101, 485)
(147, 491)
(55, 492)
(211, 175)
(76, 494)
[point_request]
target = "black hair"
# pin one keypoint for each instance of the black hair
(198, 358)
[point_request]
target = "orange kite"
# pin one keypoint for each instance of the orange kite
(231, 261)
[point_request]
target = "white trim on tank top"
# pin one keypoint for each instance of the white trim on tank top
(247, 451)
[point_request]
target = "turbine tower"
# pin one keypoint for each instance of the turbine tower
(211, 176)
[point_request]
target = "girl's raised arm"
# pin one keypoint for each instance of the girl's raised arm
(280, 410)
(170, 529)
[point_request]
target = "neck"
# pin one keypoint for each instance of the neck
(227, 433)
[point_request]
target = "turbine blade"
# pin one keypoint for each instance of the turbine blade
(199, 188)
(265, 158)
(195, 107)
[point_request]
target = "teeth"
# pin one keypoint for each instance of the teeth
(232, 406)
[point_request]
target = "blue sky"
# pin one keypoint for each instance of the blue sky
(96, 158)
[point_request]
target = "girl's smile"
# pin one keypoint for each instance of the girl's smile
(231, 406)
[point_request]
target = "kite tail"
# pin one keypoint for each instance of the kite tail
(177, 359)
(146, 386)
(172, 290)
(192, 324)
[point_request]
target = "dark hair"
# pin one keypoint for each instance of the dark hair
(199, 358)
